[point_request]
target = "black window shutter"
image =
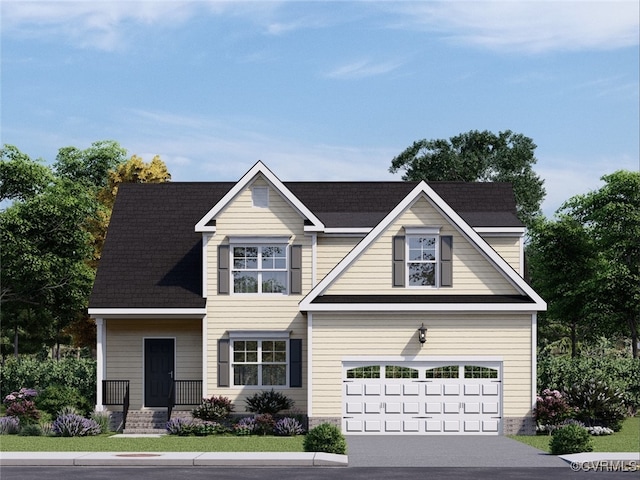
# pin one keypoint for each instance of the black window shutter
(296, 269)
(223, 269)
(295, 363)
(223, 362)
(446, 263)
(398, 261)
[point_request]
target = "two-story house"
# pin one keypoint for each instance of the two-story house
(382, 307)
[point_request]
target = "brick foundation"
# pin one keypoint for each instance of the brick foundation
(518, 426)
(315, 421)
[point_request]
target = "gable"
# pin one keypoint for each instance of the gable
(371, 272)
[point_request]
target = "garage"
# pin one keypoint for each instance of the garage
(438, 398)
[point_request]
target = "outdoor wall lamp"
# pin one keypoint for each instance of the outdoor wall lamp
(422, 334)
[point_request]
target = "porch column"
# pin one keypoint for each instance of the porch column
(100, 362)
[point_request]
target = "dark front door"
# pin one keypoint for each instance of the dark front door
(158, 370)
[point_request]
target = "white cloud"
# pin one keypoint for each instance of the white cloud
(529, 26)
(363, 68)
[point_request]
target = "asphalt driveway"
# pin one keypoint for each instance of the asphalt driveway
(445, 451)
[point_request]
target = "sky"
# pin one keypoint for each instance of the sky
(324, 90)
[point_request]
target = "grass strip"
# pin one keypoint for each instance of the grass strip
(626, 440)
(168, 443)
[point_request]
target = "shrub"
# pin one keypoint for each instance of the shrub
(598, 403)
(213, 409)
(103, 419)
(552, 408)
(73, 425)
(288, 427)
(209, 428)
(264, 424)
(31, 430)
(179, 426)
(245, 426)
(570, 439)
(268, 401)
(21, 404)
(54, 397)
(325, 438)
(9, 425)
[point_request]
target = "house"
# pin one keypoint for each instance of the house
(381, 307)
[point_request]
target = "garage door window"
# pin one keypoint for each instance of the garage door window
(474, 371)
(371, 371)
(448, 371)
(395, 371)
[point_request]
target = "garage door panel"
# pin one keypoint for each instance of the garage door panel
(453, 405)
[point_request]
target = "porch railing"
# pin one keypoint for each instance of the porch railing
(184, 392)
(116, 392)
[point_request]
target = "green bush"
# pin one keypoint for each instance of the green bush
(31, 430)
(570, 439)
(213, 409)
(598, 403)
(268, 401)
(29, 371)
(55, 397)
(562, 373)
(325, 438)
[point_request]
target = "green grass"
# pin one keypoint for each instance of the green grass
(626, 440)
(168, 443)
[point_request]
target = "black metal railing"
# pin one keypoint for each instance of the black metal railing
(116, 392)
(184, 392)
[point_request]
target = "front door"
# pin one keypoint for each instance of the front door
(158, 370)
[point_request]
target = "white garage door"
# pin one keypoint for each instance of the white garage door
(411, 398)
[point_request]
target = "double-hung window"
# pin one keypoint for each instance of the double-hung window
(422, 260)
(261, 363)
(259, 268)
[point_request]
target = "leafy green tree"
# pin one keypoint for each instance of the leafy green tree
(611, 215)
(20, 177)
(478, 156)
(562, 265)
(92, 165)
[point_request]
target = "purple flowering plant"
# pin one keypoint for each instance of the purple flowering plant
(552, 408)
(20, 404)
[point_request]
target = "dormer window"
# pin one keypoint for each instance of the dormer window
(260, 197)
(422, 258)
(422, 265)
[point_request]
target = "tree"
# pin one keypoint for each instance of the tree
(562, 265)
(611, 215)
(92, 165)
(20, 177)
(478, 156)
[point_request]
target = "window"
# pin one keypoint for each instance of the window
(259, 269)
(259, 363)
(422, 260)
(474, 371)
(448, 371)
(371, 371)
(395, 371)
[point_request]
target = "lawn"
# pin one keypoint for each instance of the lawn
(167, 443)
(626, 440)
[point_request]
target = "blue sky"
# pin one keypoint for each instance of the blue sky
(324, 90)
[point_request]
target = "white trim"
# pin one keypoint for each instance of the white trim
(422, 190)
(205, 243)
(420, 307)
(343, 230)
(422, 230)
(257, 334)
(500, 231)
(314, 258)
(423, 359)
(100, 362)
(205, 356)
(309, 365)
(534, 359)
(259, 240)
(258, 169)
(147, 312)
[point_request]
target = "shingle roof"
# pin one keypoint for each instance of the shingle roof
(152, 257)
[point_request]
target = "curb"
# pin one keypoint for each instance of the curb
(166, 459)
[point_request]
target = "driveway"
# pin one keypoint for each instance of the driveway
(445, 451)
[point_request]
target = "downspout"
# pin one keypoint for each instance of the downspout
(100, 362)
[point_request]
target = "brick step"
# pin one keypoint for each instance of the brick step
(151, 421)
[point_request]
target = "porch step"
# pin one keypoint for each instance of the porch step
(151, 421)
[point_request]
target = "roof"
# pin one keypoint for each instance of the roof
(152, 257)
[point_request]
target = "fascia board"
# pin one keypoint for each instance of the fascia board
(456, 221)
(500, 231)
(147, 312)
(418, 307)
(258, 168)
